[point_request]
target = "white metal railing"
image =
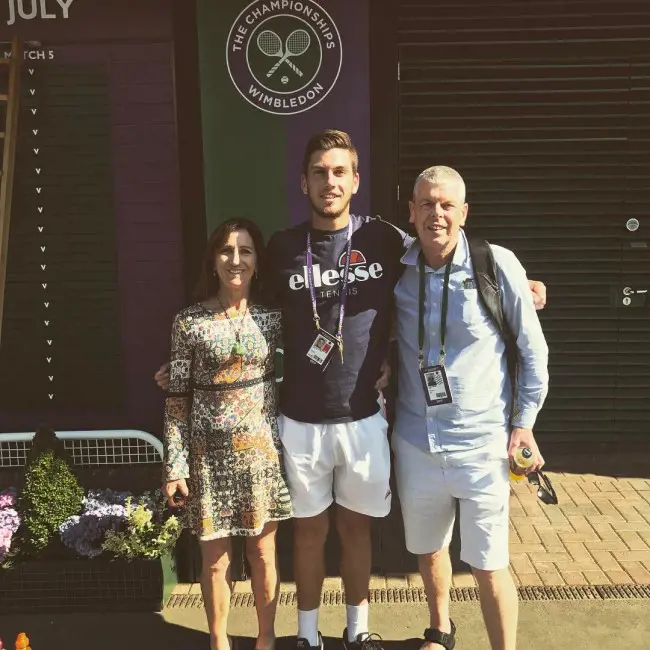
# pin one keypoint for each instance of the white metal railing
(108, 447)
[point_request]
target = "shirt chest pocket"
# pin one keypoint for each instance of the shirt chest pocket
(468, 314)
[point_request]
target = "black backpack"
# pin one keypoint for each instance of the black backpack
(487, 284)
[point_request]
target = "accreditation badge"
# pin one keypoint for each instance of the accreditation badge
(436, 385)
(322, 349)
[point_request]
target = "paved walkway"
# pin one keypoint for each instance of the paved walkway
(598, 534)
(575, 624)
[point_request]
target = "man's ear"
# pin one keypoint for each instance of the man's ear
(465, 211)
(411, 210)
(355, 183)
(303, 183)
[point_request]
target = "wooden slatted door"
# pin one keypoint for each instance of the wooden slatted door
(61, 331)
(632, 400)
(543, 108)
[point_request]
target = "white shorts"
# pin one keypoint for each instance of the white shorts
(429, 484)
(347, 462)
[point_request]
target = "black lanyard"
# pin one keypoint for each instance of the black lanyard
(344, 288)
(443, 314)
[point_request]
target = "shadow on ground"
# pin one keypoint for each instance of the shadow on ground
(331, 643)
(130, 632)
(100, 632)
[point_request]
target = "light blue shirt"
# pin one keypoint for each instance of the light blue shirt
(475, 355)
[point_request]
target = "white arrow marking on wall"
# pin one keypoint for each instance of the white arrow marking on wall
(49, 341)
(49, 359)
(42, 249)
(36, 151)
(44, 285)
(32, 91)
(40, 229)
(43, 266)
(47, 323)
(40, 209)
(35, 131)
(47, 304)
(34, 111)
(39, 190)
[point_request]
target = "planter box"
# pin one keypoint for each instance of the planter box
(87, 586)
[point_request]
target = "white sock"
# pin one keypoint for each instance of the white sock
(308, 626)
(357, 621)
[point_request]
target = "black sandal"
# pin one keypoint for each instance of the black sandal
(446, 639)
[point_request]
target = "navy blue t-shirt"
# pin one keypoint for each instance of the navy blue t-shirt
(343, 392)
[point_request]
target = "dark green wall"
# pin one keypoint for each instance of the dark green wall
(243, 147)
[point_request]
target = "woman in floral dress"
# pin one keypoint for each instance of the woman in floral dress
(223, 457)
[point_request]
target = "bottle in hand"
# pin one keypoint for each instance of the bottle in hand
(521, 461)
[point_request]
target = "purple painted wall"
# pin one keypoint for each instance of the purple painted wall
(137, 49)
(347, 108)
(147, 213)
(92, 21)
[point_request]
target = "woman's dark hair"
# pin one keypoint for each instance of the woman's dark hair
(208, 284)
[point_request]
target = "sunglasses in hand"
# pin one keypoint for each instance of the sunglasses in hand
(545, 490)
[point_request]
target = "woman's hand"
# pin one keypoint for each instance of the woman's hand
(162, 376)
(384, 377)
(170, 490)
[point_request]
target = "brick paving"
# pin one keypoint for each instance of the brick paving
(598, 534)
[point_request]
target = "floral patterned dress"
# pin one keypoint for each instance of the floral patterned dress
(221, 430)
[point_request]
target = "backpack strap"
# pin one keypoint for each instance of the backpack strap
(487, 284)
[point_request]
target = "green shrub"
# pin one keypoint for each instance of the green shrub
(147, 533)
(50, 495)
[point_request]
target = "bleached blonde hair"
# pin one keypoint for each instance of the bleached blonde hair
(439, 175)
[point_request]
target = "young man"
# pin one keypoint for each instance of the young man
(453, 434)
(334, 277)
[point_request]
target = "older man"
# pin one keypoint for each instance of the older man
(456, 421)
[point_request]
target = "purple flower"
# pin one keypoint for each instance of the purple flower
(104, 510)
(85, 534)
(8, 498)
(99, 498)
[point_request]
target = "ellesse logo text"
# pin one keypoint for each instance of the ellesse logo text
(360, 271)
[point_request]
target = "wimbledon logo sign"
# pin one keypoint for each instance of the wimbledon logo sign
(284, 56)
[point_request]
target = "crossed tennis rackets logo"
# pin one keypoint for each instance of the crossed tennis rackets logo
(270, 36)
(296, 44)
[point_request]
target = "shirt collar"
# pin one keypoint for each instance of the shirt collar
(460, 259)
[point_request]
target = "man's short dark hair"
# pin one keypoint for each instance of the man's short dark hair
(326, 140)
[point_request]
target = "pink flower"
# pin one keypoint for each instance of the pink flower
(8, 498)
(9, 523)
